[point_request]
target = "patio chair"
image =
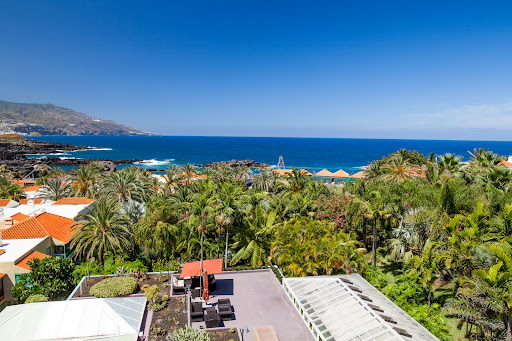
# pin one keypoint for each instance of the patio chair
(196, 312)
(211, 318)
(178, 287)
(212, 283)
(225, 312)
(195, 292)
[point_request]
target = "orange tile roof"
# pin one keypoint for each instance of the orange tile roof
(506, 163)
(2, 251)
(32, 188)
(74, 201)
(40, 226)
(19, 217)
(286, 171)
(4, 202)
(34, 255)
(2, 274)
(36, 201)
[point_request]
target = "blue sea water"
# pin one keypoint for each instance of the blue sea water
(311, 153)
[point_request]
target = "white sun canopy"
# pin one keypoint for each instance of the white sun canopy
(347, 307)
(78, 320)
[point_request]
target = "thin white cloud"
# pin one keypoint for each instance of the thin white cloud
(482, 116)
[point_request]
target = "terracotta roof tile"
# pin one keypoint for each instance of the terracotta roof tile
(4, 202)
(2, 274)
(37, 201)
(34, 255)
(358, 175)
(19, 217)
(2, 251)
(32, 188)
(40, 226)
(506, 163)
(74, 201)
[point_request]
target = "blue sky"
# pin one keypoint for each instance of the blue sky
(384, 69)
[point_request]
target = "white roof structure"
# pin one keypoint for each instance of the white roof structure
(14, 250)
(68, 211)
(112, 319)
(347, 307)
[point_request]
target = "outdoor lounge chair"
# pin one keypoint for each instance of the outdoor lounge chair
(178, 287)
(211, 318)
(212, 283)
(225, 311)
(196, 312)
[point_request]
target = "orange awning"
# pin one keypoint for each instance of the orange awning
(358, 175)
(340, 174)
(212, 266)
(324, 172)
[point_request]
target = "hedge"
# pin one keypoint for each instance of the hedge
(114, 287)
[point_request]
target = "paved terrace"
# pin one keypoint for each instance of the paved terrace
(258, 299)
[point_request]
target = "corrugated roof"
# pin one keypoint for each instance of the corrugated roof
(40, 226)
(34, 255)
(74, 201)
(32, 188)
(36, 201)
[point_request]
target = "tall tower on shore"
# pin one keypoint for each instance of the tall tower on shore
(280, 163)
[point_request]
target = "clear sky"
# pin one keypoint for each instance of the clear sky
(383, 69)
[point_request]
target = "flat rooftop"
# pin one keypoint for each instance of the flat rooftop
(258, 299)
(15, 249)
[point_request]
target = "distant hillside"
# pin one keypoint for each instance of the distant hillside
(48, 119)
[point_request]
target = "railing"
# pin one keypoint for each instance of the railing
(64, 255)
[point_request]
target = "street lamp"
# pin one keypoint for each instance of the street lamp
(243, 330)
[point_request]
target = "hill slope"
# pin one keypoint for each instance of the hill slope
(49, 119)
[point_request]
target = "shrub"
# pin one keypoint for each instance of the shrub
(36, 298)
(157, 306)
(188, 334)
(165, 298)
(114, 286)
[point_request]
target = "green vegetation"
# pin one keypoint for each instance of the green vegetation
(50, 277)
(36, 298)
(48, 119)
(188, 334)
(114, 287)
(431, 233)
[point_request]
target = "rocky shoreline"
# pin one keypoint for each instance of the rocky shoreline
(235, 163)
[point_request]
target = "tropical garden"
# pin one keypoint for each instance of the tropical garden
(433, 233)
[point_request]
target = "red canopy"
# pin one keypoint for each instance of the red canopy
(212, 266)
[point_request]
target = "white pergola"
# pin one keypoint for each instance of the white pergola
(103, 319)
(347, 307)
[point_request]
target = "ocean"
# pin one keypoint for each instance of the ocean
(311, 153)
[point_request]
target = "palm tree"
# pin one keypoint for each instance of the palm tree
(173, 178)
(101, 231)
(83, 180)
(377, 210)
(396, 169)
(54, 189)
(125, 185)
(9, 190)
(427, 267)
(449, 163)
(296, 180)
(254, 240)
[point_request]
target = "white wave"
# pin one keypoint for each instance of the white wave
(69, 158)
(53, 154)
(154, 162)
(99, 149)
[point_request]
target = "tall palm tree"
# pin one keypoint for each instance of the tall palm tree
(84, 179)
(377, 210)
(101, 231)
(54, 189)
(125, 185)
(296, 180)
(449, 163)
(173, 177)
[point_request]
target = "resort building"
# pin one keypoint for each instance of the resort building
(328, 177)
(14, 255)
(33, 191)
(66, 207)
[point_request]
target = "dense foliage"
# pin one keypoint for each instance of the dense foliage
(432, 233)
(114, 287)
(49, 277)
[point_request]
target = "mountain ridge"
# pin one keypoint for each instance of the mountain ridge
(48, 119)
